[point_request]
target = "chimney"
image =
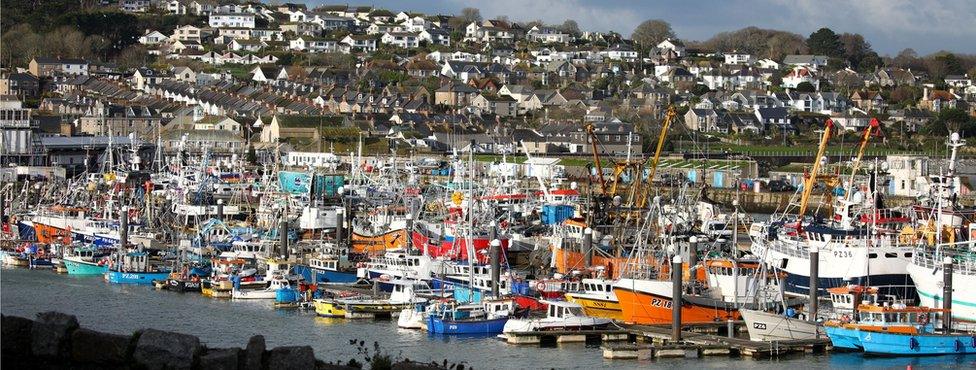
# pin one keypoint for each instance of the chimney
(925, 93)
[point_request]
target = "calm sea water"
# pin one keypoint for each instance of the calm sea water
(123, 309)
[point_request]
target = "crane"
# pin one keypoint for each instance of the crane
(812, 176)
(669, 117)
(860, 153)
(596, 158)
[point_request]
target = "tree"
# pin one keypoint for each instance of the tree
(570, 26)
(825, 42)
(855, 48)
(700, 90)
(651, 32)
(134, 56)
(870, 62)
(805, 87)
(943, 64)
(905, 58)
(470, 15)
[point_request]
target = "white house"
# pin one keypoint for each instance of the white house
(767, 63)
(176, 7)
(406, 40)
(735, 58)
(247, 45)
(811, 61)
(435, 36)
(313, 44)
(363, 43)
(152, 37)
(187, 33)
(245, 20)
(800, 75)
(547, 35)
(619, 52)
(674, 45)
(415, 24)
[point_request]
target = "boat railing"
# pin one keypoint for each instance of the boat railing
(962, 253)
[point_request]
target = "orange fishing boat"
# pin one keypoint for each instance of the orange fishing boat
(377, 244)
(644, 301)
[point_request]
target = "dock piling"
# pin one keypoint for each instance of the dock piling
(340, 224)
(124, 228)
(587, 247)
(947, 294)
(676, 298)
(495, 254)
(283, 237)
(409, 227)
(814, 280)
(220, 209)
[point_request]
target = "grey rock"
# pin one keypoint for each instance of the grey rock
(15, 336)
(220, 359)
(292, 358)
(158, 349)
(50, 334)
(320, 365)
(409, 365)
(254, 353)
(92, 347)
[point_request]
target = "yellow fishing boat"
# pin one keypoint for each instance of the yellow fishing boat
(597, 299)
(328, 308)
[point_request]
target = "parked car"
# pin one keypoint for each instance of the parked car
(779, 186)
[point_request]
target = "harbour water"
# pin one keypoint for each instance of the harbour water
(123, 309)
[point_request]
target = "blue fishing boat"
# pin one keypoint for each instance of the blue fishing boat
(85, 260)
(489, 317)
(898, 344)
(327, 269)
(77, 266)
(842, 337)
(134, 268)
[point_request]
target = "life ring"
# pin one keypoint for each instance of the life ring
(540, 286)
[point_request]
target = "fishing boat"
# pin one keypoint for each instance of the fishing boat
(860, 244)
(489, 317)
(560, 315)
(85, 260)
(919, 344)
(597, 299)
(330, 266)
(859, 308)
(766, 326)
(945, 232)
(405, 294)
(134, 268)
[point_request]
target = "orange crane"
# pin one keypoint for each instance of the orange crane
(875, 125)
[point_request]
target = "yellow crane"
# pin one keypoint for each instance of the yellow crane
(860, 153)
(669, 117)
(812, 176)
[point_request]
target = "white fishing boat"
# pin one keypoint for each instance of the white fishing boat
(560, 315)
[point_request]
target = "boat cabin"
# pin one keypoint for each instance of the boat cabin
(562, 309)
(847, 298)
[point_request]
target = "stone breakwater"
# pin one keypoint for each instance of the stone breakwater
(54, 340)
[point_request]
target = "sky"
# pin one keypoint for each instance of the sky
(889, 25)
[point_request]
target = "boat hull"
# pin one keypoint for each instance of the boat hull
(880, 343)
(437, 325)
(929, 284)
(325, 276)
(843, 338)
(597, 307)
(138, 278)
(649, 302)
(765, 326)
(84, 268)
(328, 309)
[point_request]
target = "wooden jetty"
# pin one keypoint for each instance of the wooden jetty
(566, 336)
(695, 343)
